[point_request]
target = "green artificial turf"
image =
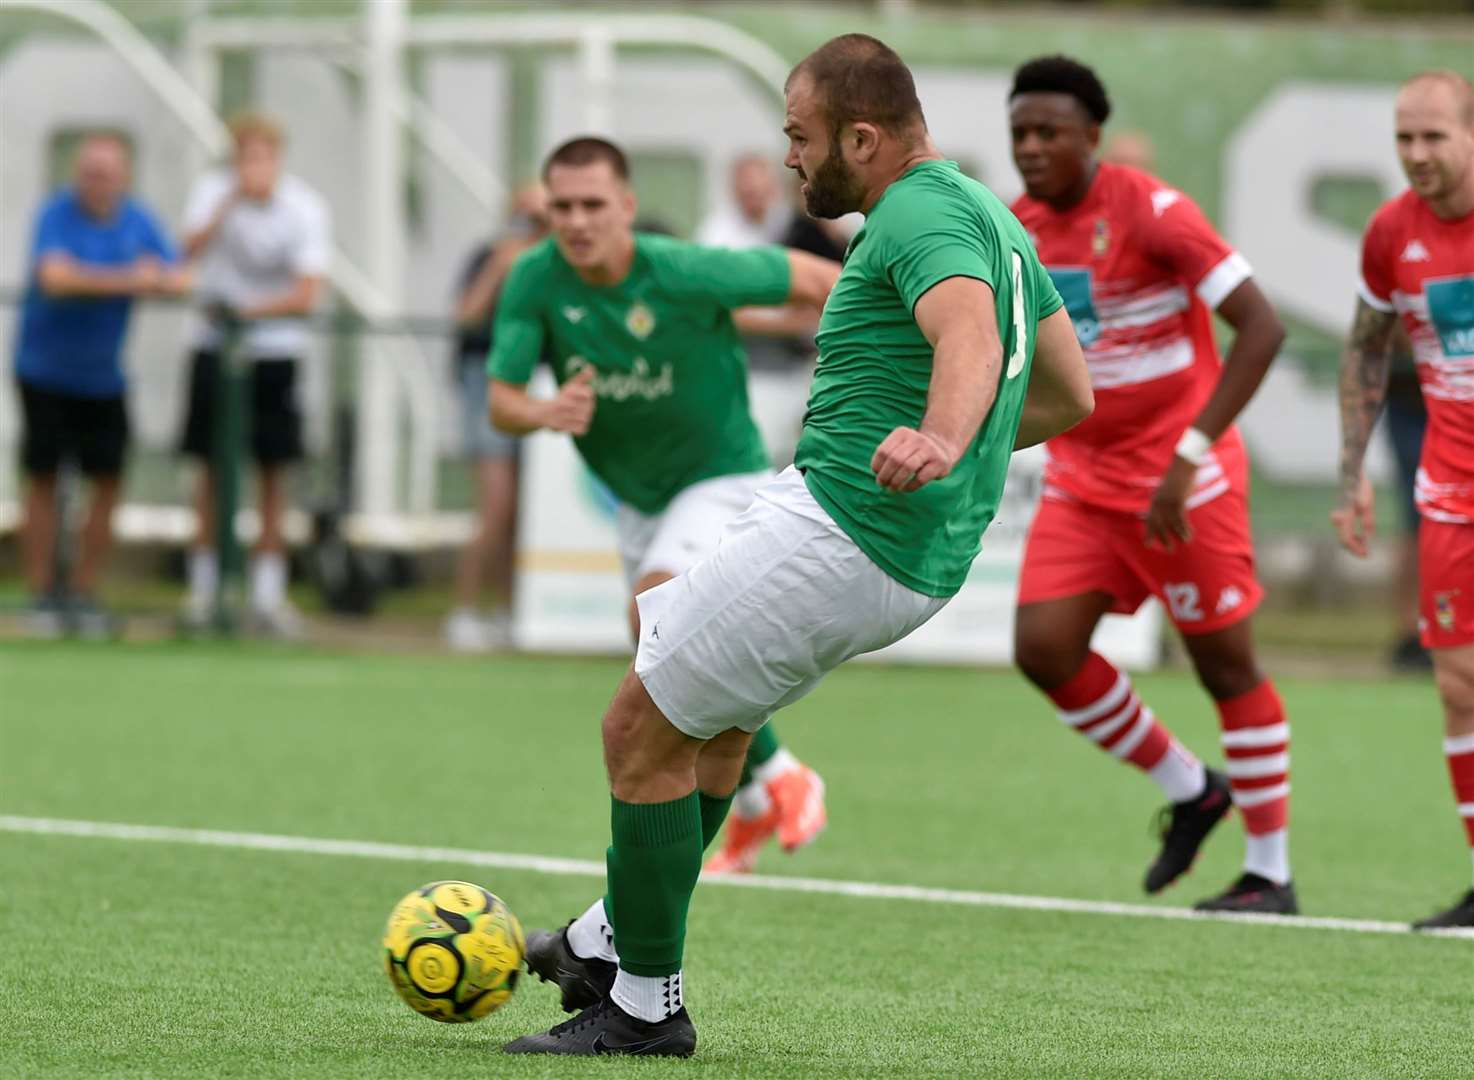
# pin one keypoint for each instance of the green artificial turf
(153, 959)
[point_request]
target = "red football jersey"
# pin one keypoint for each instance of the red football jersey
(1422, 267)
(1141, 270)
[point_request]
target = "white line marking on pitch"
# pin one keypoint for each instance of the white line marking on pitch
(541, 864)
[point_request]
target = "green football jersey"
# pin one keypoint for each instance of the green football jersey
(670, 373)
(875, 368)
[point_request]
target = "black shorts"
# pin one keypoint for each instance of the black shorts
(91, 431)
(272, 419)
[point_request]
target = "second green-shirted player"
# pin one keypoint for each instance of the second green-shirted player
(923, 389)
(653, 388)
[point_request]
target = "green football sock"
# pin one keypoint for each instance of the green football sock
(713, 812)
(654, 861)
(763, 746)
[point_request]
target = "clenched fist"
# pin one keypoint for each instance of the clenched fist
(572, 410)
(908, 459)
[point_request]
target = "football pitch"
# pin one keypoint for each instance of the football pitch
(173, 954)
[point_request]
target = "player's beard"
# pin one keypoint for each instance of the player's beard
(834, 189)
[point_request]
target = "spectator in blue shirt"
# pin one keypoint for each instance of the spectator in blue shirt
(94, 250)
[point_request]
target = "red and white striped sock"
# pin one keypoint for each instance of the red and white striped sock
(1460, 751)
(1098, 701)
(1256, 741)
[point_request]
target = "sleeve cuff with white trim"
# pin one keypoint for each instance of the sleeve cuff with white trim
(1223, 279)
(1364, 291)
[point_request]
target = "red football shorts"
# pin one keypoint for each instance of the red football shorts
(1205, 585)
(1445, 584)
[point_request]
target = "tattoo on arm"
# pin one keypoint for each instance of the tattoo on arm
(1365, 364)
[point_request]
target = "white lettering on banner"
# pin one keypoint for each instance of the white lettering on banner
(1307, 265)
(1302, 133)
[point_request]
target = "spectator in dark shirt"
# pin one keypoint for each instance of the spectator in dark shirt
(487, 559)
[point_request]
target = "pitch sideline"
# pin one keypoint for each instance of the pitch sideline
(541, 864)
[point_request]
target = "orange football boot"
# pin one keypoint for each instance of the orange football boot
(742, 840)
(798, 795)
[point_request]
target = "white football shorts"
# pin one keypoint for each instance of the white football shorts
(687, 530)
(784, 599)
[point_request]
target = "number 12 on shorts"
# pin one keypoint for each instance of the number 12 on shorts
(1185, 602)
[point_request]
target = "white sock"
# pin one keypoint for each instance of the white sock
(204, 574)
(1269, 856)
(1179, 774)
(590, 935)
(651, 998)
(774, 767)
(268, 581)
(752, 801)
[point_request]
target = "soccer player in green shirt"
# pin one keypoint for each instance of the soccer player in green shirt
(943, 347)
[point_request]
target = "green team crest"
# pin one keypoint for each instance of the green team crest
(640, 321)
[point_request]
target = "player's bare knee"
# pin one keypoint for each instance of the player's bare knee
(1455, 681)
(1228, 677)
(1042, 661)
(1225, 662)
(730, 746)
(719, 767)
(621, 733)
(642, 749)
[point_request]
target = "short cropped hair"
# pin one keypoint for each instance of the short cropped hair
(1463, 89)
(857, 77)
(251, 124)
(752, 159)
(108, 134)
(588, 150)
(1062, 75)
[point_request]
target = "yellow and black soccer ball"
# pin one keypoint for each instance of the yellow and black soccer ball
(453, 951)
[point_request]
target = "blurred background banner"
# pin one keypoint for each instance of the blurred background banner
(415, 121)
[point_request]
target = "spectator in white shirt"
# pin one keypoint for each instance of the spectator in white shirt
(779, 341)
(262, 239)
(758, 214)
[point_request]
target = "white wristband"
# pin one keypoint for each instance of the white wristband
(1193, 447)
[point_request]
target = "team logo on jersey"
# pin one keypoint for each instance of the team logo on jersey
(1102, 238)
(1443, 611)
(640, 381)
(1451, 311)
(1162, 199)
(640, 320)
(574, 314)
(1074, 290)
(1415, 252)
(1230, 598)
